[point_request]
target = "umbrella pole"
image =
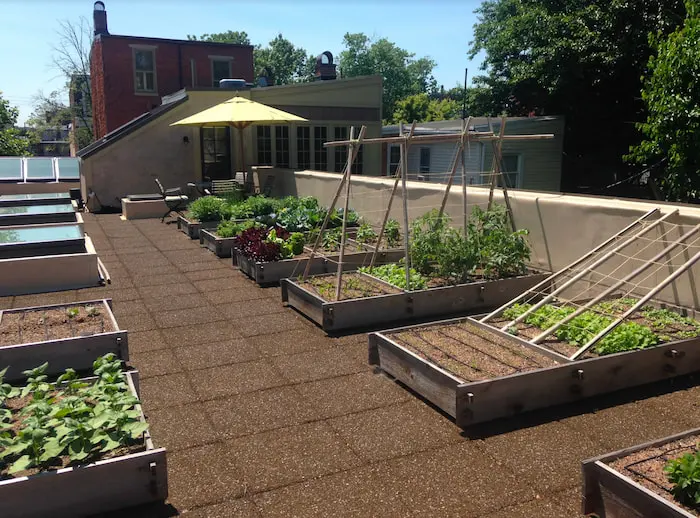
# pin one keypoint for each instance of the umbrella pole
(240, 144)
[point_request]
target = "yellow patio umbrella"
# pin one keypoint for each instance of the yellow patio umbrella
(239, 113)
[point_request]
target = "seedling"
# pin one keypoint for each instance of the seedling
(92, 311)
(72, 312)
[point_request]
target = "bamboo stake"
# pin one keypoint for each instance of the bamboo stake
(328, 215)
(496, 172)
(388, 208)
(465, 217)
(615, 286)
(444, 137)
(453, 170)
(587, 270)
(404, 174)
(549, 279)
(646, 298)
(339, 275)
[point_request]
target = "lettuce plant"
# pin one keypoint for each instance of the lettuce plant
(684, 474)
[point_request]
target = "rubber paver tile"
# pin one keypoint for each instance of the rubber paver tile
(199, 333)
(682, 405)
(137, 322)
(190, 300)
(126, 243)
(128, 307)
(549, 455)
(258, 411)
(280, 457)
(273, 323)
(195, 255)
(155, 363)
(174, 244)
(145, 341)
(118, 273)
(360, 493)
(458, 480)
(117, 295)
(43, 299)
(133, 253)
(118, 232)
(213, 354)
(166, 391)
(395, 430)
(538, 507)
(188, 316)
(6, 302)
(240, 508)
(203, 275)
(213, 285)
(237, 295)
(167, 291)
(180, 427)
(142, 280)
(315, 365)
(345, 394)
(153, 258)
(251, 308)
(209, 264)
(614, 427)
(136, 270)
(213, 470)
(239, 378)
(291, 342)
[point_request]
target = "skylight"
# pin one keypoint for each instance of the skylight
(39, 169)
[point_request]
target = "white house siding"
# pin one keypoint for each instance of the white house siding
(540, 160)
(441, 157)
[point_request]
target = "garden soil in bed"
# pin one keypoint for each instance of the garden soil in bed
(16, 404)
(646, 467)
(21, 327)
(470, 352)
(354, 286)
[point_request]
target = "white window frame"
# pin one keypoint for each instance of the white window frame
(212, 59)
(152, 50)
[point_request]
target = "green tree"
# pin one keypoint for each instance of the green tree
(672, 96)
(12, 143)
(235, 37)
(421, 108)
(580, 58)
(402, 74)
(286, 62)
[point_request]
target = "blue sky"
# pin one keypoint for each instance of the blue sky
(440, 29)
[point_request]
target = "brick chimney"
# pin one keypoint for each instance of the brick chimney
(99, 18)
(325, 68)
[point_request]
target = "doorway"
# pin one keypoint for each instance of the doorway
(216, 153)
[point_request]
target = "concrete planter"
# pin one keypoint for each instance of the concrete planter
(78, 352)
(610, 494)
(481, 401)
(406, 306)
(274, 272)
(102, 486)
(192, 227)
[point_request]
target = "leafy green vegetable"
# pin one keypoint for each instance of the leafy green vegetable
(70, 418)
(684, 474)
(72, 312)
(395, 274)
(392, 233)
(232, 228)
(209, 208)
(366, 234)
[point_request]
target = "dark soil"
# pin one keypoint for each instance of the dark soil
(16, 405)
(354, 286)
(21, 327)
(469, 352)
(646, 467)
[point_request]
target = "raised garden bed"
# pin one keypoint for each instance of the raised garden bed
(65, 335)
(631, 483)
(75, 476)
(272, 272)
(192, 227)
(221, 246)
(360, 310)
(444, 363)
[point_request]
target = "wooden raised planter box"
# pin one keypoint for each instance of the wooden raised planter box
(273, 272)
(566, 381)
(221, 246)
(77, 352)
(99, 487)
(192, 227)
(404, 306)
(608, 493)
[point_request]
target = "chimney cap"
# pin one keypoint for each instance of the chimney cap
(99, 6)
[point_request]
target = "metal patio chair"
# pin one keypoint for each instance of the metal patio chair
(173, 198)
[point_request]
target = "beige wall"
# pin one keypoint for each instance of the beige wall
(561, 227)
(130, 164)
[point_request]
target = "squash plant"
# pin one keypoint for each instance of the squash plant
(43, 425)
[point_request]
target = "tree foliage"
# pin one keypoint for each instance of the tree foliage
(286, 62)
(235, 37)
(421, 108)
(582, 59)
(672, 96)
(12, 143)
(403, 75)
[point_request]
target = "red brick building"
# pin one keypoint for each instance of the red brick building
(130, 74)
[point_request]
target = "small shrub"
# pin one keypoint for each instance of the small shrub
(392, 233)
(209, 208)
(684, 474)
